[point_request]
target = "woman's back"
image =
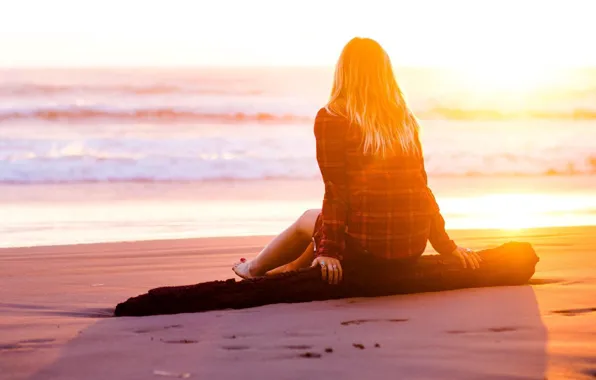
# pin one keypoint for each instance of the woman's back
(384, 202)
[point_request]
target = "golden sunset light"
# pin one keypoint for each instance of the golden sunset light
(307, 189)
(518, 211)
(522, 78)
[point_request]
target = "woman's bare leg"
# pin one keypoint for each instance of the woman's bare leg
(286, 247)
(304, 261)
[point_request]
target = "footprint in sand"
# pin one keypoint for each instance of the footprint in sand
(361, 321)
(28, 344)
(43, 340)
(297, 347)
(301, 334)
(574, 312)
(154, 329)
(490, 329)
(181, 341)
(235, 348)
(310, 355)
(9, 347)
(237, 336)
(502, 329)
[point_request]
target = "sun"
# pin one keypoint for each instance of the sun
(513, 211)
(496, 78)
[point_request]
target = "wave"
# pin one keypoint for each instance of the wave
(146, 179)
(165, 114)
(98, 167)
(49, 89)
(75, 113)
(269, 94)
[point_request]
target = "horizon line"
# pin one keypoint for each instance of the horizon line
(257, 66)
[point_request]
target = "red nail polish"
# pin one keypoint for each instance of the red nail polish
(242, 260)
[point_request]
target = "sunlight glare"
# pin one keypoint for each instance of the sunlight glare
(519, 78)
(516, 211)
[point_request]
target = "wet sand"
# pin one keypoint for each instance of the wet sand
(56, 305)
(59, 214)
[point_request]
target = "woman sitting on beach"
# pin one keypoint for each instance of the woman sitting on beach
(377, 202)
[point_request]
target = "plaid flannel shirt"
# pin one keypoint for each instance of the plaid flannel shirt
(378, 205)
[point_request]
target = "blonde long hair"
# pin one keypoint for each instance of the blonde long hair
(366, 93)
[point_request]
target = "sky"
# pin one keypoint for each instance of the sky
(460, 33)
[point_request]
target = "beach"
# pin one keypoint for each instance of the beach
(57, 303)
(114, 181)
(144, 145)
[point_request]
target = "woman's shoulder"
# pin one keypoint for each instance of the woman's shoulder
(329, 124)
(326, 115)
(325, 111)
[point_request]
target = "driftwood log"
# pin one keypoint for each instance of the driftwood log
(509, 264)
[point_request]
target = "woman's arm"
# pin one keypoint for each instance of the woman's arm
(330, 135)
(438, 237)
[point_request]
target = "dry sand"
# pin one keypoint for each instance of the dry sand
(56, 303)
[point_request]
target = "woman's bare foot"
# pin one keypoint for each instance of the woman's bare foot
(243, 269)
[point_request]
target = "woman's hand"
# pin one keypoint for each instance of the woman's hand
(467, 257)
(330, 269)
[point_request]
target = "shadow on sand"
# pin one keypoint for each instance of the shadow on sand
(490, 333)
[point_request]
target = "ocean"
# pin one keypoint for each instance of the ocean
(68, 137)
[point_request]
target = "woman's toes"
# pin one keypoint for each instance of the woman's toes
(242, 269)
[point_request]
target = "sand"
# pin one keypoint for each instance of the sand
(56, 305)
(116, 211)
